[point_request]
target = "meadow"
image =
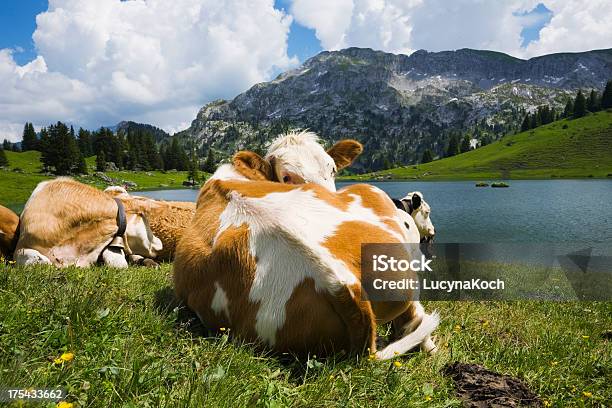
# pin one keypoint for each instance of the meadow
(118, 338)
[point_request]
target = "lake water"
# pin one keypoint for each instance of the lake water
(577, 211)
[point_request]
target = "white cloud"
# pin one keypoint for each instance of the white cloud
(104, 61)
(575, 26)
(436, 25)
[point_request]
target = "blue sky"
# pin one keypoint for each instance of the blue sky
(18, 22)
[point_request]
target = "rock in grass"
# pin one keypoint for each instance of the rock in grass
(500, 184)
(482, 184)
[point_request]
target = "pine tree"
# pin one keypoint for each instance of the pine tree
(453, 146)
(6, 145)
(101, 161)
(606, 97)
(3, 160)
(30, 142)
(427, 156)
(193, 175)
(465, 144)
(593, 103)
(526, 125)
(579, 105)
(568, 111)
(85, 145)
(209, 163)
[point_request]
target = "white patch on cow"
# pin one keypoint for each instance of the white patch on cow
(227, 172)
(27, 256)
(140, 238)
(289, 249)
(220, 302)
(114, 257)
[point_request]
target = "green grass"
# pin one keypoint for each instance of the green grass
(16, 186)
(133, 347)
(583, 149)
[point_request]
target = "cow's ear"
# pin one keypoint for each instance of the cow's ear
(252, 166)
(345, 152)
(416, 201)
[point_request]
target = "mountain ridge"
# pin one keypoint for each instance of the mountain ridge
(398, 105)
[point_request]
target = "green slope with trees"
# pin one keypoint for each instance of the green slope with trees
(24, 172)
(568, 148)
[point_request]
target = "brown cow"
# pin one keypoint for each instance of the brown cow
(280, 263)
(66, 223)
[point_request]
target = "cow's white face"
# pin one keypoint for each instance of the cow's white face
(421, 215)
(140, 238)
(298, 158)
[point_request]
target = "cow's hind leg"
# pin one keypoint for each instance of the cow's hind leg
(358, 318)
(408, 321)
(412, 328)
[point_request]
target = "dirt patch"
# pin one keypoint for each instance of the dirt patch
(480, 388)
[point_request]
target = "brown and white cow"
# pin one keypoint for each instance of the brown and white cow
(167, 219)
(9, 222)
(297, 157)
(67, 223)
(280, 264)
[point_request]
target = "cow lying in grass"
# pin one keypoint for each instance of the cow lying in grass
(167, 219)
(67, 223)
(9, 221)
(297, 157)
(280, 263)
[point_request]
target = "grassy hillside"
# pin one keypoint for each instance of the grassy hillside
(132, 346)
(24, 173)
(565, 149)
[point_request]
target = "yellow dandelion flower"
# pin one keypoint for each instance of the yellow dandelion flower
(397, 364)
(67, 357)
(457, 328)
(428, 398)
(64, 404)
(58, 361)
(372, 357)
(485, 323)
(586, 337)
(554, 363)
(547, 403)
(587, 394)
(331, 377)
(222, 329)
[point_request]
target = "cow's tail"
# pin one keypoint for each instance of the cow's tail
(428, 324)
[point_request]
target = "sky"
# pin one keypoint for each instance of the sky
(95, 63)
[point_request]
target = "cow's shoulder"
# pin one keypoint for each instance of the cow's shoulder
(370, 197)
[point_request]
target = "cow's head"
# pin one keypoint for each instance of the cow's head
(420, 211)
(139, 239)
(298, 158)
